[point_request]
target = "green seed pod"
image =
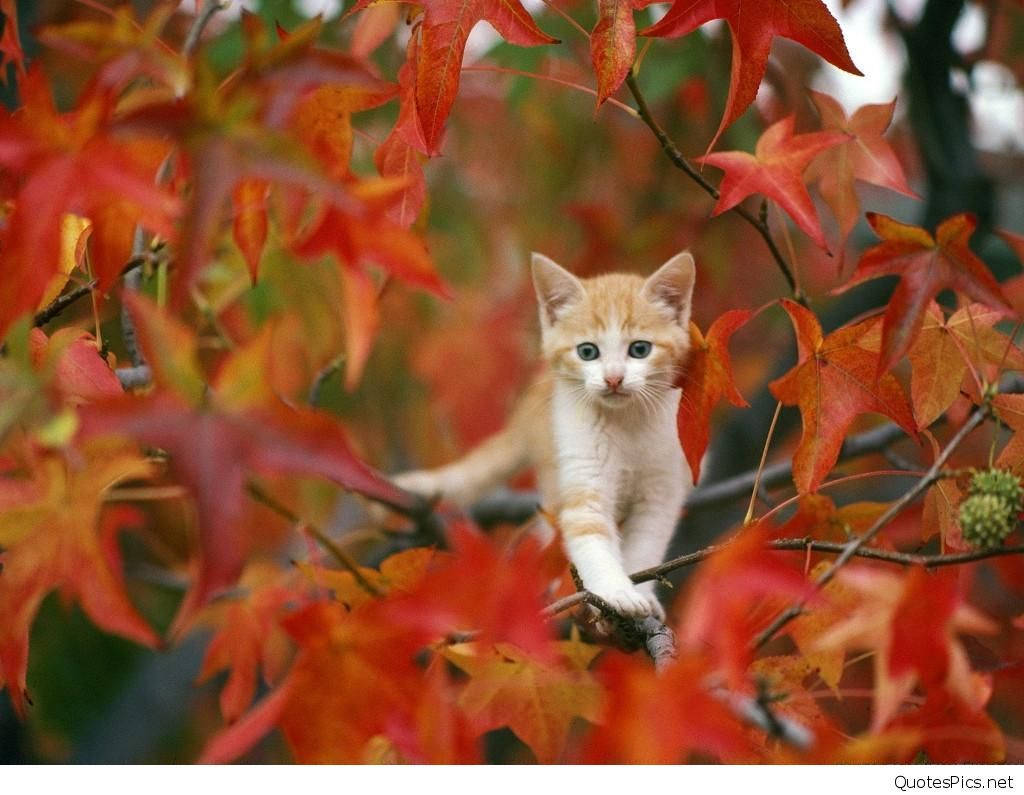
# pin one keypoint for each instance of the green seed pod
(999, 483)
(986, 519)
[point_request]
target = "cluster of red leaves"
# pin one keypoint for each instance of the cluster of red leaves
(419, 659)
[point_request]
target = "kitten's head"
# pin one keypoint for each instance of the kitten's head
(618, 338)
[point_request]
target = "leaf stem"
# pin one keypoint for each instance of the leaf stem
(680, 162)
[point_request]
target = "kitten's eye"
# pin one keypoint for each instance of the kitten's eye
(640, 349)
(587, 351)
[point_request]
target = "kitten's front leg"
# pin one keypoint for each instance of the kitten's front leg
(592, 544)
(646, 535)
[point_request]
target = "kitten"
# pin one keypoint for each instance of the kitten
(599, 426)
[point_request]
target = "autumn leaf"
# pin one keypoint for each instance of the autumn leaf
(834, 381)
(705, 381)
(538, 701)
(910, 621)
(660, 718)
(834, 605)
(1010, 410)
(613, 44)
(501, 602)
(865, 156)
(443, 34)
(79, 373)
(398, 156)
(55, 537)
(243, 433)
(947, 348)
(753, 24)
(926, 265)
(11, 51)
(249, 220)
(953, 732)
(734, 595)
(250, 642)
(774, 170)
(123, 50)
(73, 163)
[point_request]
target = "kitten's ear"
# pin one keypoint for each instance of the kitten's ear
(556, 288)
(672, 286)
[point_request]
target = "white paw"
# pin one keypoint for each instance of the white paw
(628, 600)
(418, 482)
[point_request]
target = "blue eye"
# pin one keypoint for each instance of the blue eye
(587, 351)
(640, 349)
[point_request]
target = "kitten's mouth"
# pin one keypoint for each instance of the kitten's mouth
(614, 395)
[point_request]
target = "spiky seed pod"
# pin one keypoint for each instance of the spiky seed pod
(1000, 483)
(985, 520)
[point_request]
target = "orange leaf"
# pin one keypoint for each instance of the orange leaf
(54, 537)
(866, 156)
(926, 265)
(538, 701)
(753, 24)
(706, 380)
(659, 718)
(834, 381)
(910, 620)
(774, 170)
(612, 45)
(443, 34)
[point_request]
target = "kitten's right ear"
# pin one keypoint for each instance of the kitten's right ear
(556, 288)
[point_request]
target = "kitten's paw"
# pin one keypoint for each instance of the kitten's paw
(628, 601)
(419, 482)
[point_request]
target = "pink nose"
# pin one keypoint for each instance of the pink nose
(613, 381)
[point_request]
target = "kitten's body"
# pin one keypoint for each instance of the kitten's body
(600, 433)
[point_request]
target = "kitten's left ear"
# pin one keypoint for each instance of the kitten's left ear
(672, 286)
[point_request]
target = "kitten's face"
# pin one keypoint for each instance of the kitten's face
(618, 339)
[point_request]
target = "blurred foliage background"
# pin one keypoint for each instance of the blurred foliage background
(529, 165)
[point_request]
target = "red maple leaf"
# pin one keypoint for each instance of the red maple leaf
(501, 601)
(926, 265)
(774, 170)
(217, 437)
(73, 163)
(443, 34)
(834, 381)
(706, 380)
(866, 156)
(55, 537)
(11, 51)
(911, 622)
(753, 24)
(659, 718)
(613, 44)
(734, 595)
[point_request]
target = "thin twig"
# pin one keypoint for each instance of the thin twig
(549, 78)
(760, 467)
(800, 545)
(259, 494)
(209, 8)
(680, 162)
(853, 547)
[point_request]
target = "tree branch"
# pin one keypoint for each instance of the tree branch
(853, 547)
(680, 162)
